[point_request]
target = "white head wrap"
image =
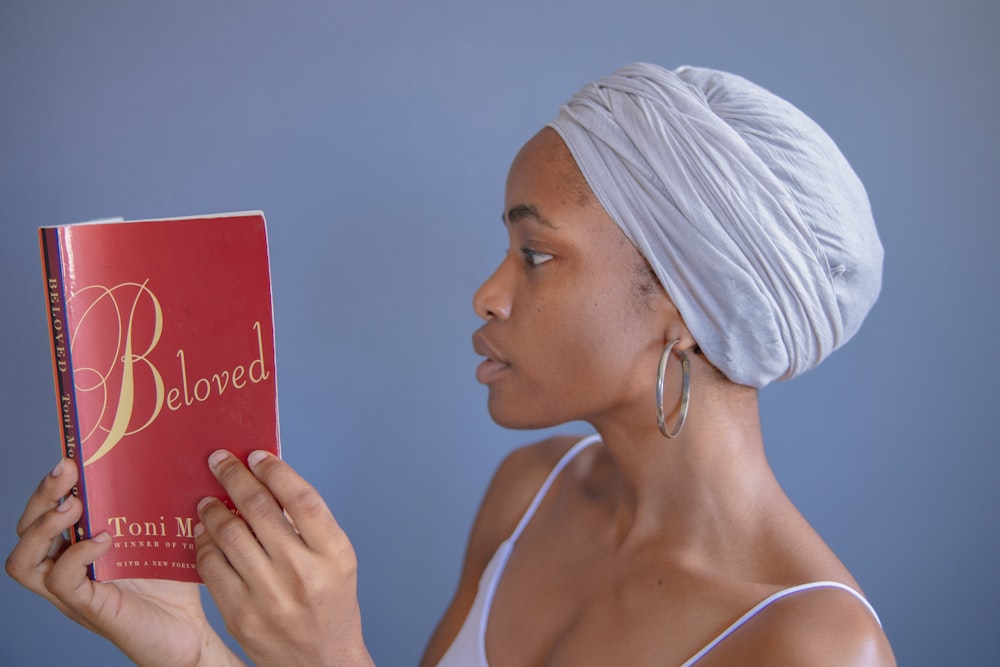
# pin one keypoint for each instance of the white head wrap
(748, 213)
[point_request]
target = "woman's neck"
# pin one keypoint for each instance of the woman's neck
(701, 490)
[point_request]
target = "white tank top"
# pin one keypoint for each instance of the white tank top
(469, 647)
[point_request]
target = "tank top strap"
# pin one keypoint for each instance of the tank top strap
(771, 599)
(544, 488)
(469, 646)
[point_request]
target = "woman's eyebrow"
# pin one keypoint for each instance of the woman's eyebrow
(529, 212)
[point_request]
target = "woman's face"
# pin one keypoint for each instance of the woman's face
(572, 330)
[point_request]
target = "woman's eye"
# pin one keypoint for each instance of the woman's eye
(534, 258)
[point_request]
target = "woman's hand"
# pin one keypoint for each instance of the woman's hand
(152, 622)
(283, 573)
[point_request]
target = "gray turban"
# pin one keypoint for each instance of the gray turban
(749, 215)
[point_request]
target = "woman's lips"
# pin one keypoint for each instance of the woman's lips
(492, 367)
(490, 370)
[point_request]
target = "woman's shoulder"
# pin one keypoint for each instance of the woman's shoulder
(516, 481)
(535, 460)
(822, 625)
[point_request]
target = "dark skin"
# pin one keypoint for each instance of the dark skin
(644, 549)
(641, 552)
(286, 590)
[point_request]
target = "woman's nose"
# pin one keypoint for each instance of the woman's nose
(493, 299)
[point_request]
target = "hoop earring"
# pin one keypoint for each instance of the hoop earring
(685, 390)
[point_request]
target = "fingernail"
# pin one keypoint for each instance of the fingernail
(64, 506)
(256, 457)
(101, 537)
(58, 469)
(204, 501)
(217, 457)
(199, 528)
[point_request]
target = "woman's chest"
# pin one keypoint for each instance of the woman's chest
(566, 600)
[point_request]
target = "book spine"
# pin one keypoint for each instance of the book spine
(60, 337)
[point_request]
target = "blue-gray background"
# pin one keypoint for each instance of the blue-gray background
(376, 137)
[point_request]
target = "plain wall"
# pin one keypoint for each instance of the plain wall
(376, 137)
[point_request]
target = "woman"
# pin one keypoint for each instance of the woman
(679, 235)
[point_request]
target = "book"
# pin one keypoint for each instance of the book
(162, 340)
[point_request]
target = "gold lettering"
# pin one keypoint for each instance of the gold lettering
(58, 336)
(151, 528)
(130, 363)
(121, 525)
(184, 378)
(201, 396)
(238, 381)
(221, 381)
(122, 415)
(117, 521)
(173, 398)
(258, 363)
(204, 388)
(184, 528)
(67, 412)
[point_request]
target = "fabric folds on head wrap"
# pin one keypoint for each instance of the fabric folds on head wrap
(751, 218)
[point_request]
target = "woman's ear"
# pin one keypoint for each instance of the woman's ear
(685, 341)
(674, 327)
(655, 296)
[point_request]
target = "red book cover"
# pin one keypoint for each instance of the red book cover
(163, 351)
